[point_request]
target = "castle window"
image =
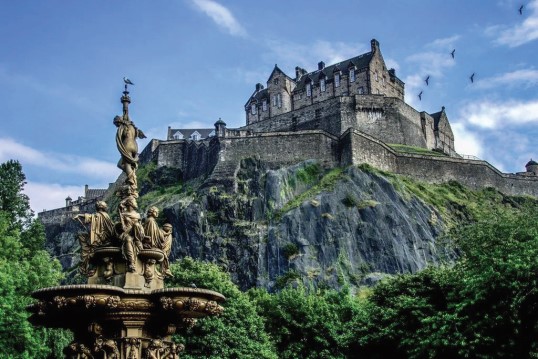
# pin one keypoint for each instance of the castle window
(264, 105)
(195, 136)
(178, 136)
(279, 100)
(383, 81)
(361, 90)
(275, 81)
(253, 109)
(352, 75)
(322, 85)
(336, 80)
(309, 89)
(274, 100)
(376, 77)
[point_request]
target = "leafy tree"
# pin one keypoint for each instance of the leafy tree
(22, 272)
(306, 324)
(237, 333)
(13, 202)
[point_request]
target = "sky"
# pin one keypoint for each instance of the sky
(195, 61)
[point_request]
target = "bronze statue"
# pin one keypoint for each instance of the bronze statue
(130, 231)
(166, 246)
(126, 142)
(100, 234)
(151, 229)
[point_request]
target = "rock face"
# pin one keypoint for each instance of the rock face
(325, 227)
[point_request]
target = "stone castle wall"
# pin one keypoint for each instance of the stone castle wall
(220, 158)
(360, 148)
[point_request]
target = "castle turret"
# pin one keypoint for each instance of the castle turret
(220, 128)
(532, 167)
(68, 201)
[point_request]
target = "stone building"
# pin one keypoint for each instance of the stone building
(365, 74)
(195, 134)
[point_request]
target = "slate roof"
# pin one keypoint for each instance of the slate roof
(187, 132)
(531, 163)
(436, 118)
(360, 62)
(92, 193)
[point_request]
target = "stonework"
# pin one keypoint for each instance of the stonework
(343, 114)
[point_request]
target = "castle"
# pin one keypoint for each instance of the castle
(347, 113)
(351, 112)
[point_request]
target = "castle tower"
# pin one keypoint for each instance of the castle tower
(532, 167)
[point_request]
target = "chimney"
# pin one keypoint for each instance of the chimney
(86, 191)
(321, 65)
(259, 87)
(375, 45)
(392, 72)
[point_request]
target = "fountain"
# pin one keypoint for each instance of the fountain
(124, 311)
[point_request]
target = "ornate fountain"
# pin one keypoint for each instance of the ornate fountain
(124, 312)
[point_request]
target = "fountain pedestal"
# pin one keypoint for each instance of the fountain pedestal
(124, 312)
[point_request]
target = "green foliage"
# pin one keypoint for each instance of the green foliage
(290, 250)
(327, 183)
(21, 272)
(310, 173)
(350, 200)
(306, 324)
(287, 278)
(13, 202)
(237, 333)
(415, 150)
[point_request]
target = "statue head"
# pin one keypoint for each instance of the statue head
(118, 121)
(153, 212)
(101, 206)
(167, 227)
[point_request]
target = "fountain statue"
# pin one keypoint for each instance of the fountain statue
(124, 311)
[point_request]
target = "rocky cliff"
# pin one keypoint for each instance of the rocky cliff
(325, 227)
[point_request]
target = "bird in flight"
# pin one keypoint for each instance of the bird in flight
(452, 53)
(420, 96)
(472, 78)
(427, 80)
(521, 9)
(127, 81)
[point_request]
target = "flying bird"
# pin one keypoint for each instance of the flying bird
(427, 80)
(420, 96)
(127, 81)
(472, 78)
(452, 53)
(521, 9)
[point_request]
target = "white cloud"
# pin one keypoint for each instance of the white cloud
(526, 78)
(489, 114)
(433, 62)
(307, 56)
(465, 141)
(521, 33)
(10, 149)
(47, 196)
(221, 16)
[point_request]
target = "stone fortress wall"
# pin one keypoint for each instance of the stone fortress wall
(353, 147)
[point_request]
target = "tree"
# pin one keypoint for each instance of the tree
(13, 202)
(22, 272)
(237, 333)
(306, 324)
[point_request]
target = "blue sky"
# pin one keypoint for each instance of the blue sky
(195, 61)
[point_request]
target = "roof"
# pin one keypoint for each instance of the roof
(258, 96)
(360, 62)
(437, 117)
(187, 132)
(531, 163)
(95, 193)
